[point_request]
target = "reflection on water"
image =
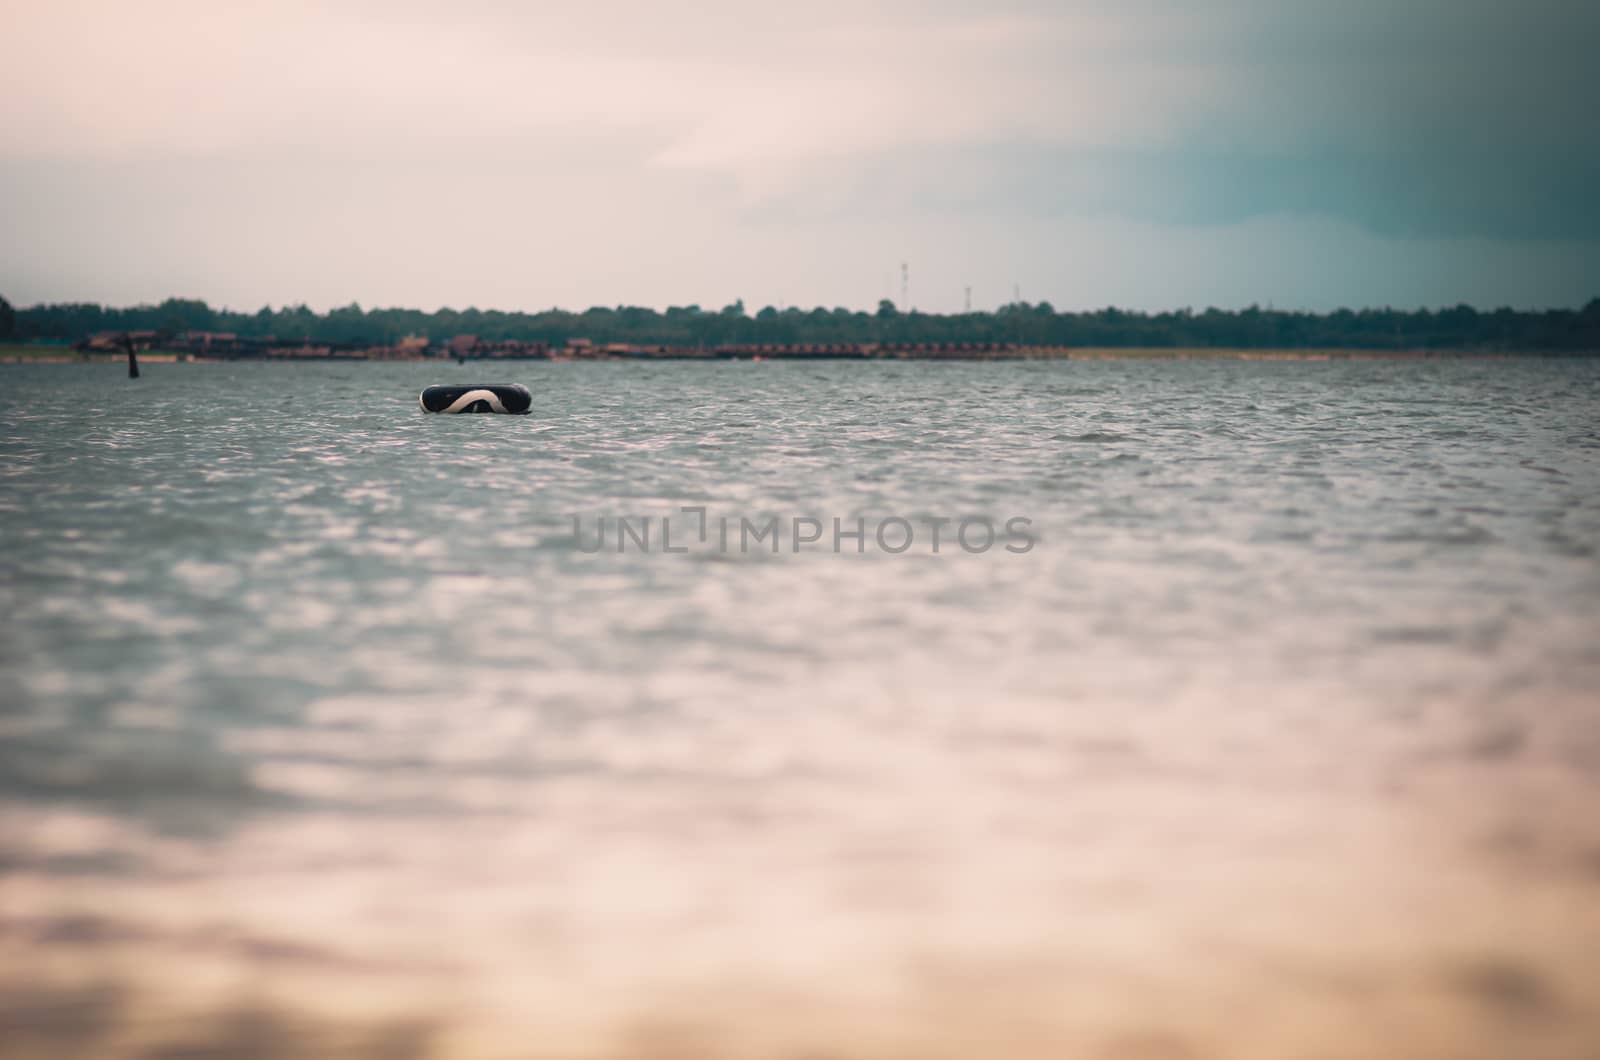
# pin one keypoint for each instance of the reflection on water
(320, 737)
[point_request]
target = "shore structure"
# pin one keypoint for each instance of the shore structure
(223, 346)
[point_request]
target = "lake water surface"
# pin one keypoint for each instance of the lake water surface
(323, 733)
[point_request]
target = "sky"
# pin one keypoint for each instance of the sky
(1148, 154)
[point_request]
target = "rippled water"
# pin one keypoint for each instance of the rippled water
(323, 734)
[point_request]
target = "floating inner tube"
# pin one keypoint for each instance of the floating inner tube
(477, 397)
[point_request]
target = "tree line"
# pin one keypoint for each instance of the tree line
(1021, 323)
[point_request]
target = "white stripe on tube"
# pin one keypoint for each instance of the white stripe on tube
(465, 400)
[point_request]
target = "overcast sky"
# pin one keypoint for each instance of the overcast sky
(1142, 153)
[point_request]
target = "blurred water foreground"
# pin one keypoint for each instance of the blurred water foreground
(320, 737)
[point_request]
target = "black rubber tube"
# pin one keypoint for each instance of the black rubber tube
(512, 398)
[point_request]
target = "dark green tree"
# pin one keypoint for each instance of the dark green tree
(1456, 327)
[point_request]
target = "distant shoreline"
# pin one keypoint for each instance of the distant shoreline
(63, 355)
(195, 327)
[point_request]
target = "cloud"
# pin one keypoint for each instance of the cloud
(1463, 192)
(1435, 119)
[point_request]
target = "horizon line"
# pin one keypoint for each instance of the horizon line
(751, 312)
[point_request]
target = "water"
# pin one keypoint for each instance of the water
(324, 735)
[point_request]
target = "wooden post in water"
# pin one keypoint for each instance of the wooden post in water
(133, 359)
